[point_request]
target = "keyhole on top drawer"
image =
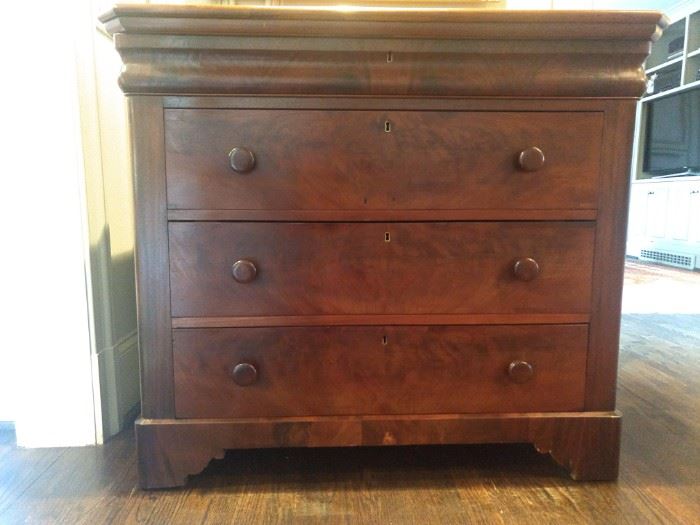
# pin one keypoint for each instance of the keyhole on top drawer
(385, 340)
(387, 126)
(387, 237)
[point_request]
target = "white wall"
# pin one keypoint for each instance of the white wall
(69, 358)
(111, 226)
(45, 338)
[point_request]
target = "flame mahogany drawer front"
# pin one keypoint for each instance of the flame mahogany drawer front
(269, 372)
(374, 160)
(246, 269)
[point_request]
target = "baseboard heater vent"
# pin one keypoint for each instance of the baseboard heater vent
(679, 260)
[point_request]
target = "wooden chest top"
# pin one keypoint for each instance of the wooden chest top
(453, 52)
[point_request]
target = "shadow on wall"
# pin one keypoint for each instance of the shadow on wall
(115, 336)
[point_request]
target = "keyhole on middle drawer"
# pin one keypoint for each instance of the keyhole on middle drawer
(387, 237)
(385, 340)
(387, 126)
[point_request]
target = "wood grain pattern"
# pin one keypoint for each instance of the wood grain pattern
(611, 232)
(367, 102)
(384, 180)
(436, 52)
(160, 15)
(586, 443)
(151, 257)
(430, 485)
(377, 319)
(332, 268)
(188, 65)
(381, 215)
(378, 370)
(337, 160)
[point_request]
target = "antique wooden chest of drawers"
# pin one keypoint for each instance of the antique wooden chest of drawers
(379, 227)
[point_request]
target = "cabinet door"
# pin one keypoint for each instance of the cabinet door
(694, 212)
(637, 218)
(656, 211)
(679, 210)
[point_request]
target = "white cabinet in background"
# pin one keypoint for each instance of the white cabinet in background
(665, 217)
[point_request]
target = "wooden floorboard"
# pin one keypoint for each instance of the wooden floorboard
(658, 393)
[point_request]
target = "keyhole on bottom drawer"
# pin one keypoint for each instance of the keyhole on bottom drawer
(385, 340)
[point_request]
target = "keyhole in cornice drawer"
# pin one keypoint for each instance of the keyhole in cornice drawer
(387, 126)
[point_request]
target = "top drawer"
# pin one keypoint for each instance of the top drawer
(374, 160)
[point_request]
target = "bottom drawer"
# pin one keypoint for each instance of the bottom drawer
(274, 372)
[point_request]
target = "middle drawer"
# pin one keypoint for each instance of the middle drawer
(258, 269)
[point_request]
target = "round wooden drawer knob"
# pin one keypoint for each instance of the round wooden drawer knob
(242, 160)
(531, 159)
(526, 269)
(520, 371)
(244, 271)
(244, 374)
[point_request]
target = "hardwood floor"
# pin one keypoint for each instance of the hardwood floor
(658, 393)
